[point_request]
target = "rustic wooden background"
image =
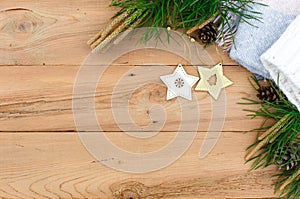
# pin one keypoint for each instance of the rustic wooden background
(42, 45)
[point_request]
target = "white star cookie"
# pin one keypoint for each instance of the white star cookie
(179, 83)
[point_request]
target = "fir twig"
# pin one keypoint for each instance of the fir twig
(187, 14)
(276, 140)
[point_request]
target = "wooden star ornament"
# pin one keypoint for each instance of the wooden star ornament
(212, 80)
(179, 83)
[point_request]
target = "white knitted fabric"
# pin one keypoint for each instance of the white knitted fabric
(251, 41)
(284, 6)
(282, 61)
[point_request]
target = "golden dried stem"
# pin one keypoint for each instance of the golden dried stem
(133, 26)
(277, 126)
(269, 136)
(94, 38)
(289, 180)
(100, 36)
(114, 23)
(98, 45)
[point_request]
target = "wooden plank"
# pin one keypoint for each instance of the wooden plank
(47, 165)
(33, 97)
(40, 32)
(43, 32)
(43, 43)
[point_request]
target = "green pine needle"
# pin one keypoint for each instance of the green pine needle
(286, 136)
(185, 14)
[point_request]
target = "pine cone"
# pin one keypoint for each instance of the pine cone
(289, 159)
(207, 34)
(267, 93)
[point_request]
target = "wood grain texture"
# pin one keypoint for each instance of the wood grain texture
(57, 165)
(44, 94)
(40, 32)
(43, 45)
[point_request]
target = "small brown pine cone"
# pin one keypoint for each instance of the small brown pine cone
(207, 34)
(290, 159)
(267, 93)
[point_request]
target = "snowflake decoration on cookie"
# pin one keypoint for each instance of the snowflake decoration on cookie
(179, 83)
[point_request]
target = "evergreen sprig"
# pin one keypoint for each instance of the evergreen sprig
(174, 14)
(273, 141)
(187, 13)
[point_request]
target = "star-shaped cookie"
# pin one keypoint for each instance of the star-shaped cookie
(179, 83)
(214, 74)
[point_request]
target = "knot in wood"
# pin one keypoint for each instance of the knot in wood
(129, 190)
(157, 94)
(129, 194)
(25, 27)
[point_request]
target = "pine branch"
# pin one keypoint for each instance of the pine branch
(275, 141)
(188, 13)
(177, 14)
